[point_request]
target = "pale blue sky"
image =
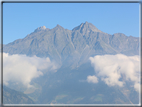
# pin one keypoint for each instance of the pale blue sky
(21, 19)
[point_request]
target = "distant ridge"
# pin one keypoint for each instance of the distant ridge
(11, 96)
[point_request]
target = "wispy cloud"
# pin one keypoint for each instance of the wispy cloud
(112, 68)
(22, 69)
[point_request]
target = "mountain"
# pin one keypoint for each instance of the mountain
(68, 86)
(78, 44)
(11, 96)
(71, 49)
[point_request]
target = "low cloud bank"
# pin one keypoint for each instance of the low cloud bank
(112, 68)
(22, 69)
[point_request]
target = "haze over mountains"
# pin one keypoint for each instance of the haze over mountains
(70, 78)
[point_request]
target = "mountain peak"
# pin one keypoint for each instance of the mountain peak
(58, 27)
(86, 22)
(40, 28)
(86, 27)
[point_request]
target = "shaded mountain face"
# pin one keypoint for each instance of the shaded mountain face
(63, 45)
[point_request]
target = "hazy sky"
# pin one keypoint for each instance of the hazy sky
(21, 19)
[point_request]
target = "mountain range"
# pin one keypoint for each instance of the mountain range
(77, 45)
(71, 50)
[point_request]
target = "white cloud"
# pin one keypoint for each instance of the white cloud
(22, 69)
(113, 67)
(137, 86)
(92, 79)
